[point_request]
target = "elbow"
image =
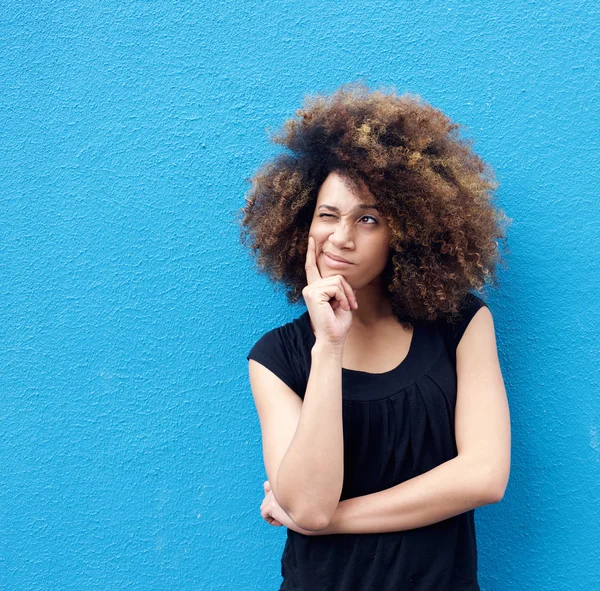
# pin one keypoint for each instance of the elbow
(495, 487)
(315, 524)
(305, 517)
(488, 479)
(310, 521)
(494, 494)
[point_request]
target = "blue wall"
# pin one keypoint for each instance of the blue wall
(129, 443)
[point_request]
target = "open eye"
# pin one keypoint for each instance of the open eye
(370, 217)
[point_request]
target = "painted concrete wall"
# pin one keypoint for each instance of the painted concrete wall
(129, 443)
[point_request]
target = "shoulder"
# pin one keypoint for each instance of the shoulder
(281, 350)
(471, 302)
(285, 337)
(455, 326)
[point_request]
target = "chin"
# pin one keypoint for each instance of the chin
(327, 272)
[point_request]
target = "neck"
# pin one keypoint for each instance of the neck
(374, 305)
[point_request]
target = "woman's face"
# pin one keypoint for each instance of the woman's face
(345, 227)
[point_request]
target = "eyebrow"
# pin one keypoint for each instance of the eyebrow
(361, 206)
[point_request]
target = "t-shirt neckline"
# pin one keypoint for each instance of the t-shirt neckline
(412, 348)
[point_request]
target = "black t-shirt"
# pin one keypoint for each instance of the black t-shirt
(397, 425)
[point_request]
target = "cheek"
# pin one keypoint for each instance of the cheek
(319, 239)
(380, 254)
(318, 243)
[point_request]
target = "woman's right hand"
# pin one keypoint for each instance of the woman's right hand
(331, 320)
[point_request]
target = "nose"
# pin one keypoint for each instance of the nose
(342, 236)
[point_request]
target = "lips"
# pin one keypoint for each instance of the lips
(336, 258)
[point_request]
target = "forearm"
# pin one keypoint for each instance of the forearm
(454, 487)
(311, 473)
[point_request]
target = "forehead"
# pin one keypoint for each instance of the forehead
(342, 192)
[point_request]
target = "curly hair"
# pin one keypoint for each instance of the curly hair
(435, 192)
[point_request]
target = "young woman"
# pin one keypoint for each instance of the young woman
(383, 411)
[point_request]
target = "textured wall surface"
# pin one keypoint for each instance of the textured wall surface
(129, 443)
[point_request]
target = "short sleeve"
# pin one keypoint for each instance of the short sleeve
(471, 304)
(454, 329)
(274, 352)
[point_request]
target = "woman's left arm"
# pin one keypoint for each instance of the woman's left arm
(477, 476)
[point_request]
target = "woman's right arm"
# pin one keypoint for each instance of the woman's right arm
(303, 443)
(311, 474)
